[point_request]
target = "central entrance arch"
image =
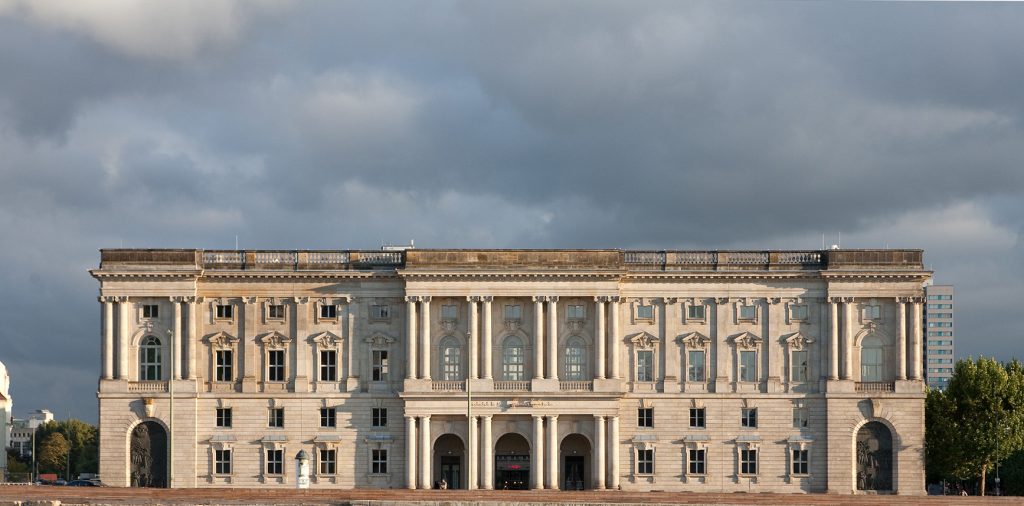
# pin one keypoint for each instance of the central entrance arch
(448, 454)
(512, 462)
(576, 459)
(148, 454)
(874, 457)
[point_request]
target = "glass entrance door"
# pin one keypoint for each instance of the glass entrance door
(511, 472)
(573, 473)
(451, 471)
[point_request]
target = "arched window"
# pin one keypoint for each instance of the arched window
(575, 360)
(149, 359)
(512, 359)
(451, 360)
(872, 359)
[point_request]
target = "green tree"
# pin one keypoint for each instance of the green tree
(83, 439)
(53, 454)
(979, 419)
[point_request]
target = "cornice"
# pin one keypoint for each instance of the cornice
(510, 274)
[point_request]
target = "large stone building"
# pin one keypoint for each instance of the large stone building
(786, 371)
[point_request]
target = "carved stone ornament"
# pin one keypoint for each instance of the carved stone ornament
(644, 340)
(576, 325)
(511, 325)
(275, 340)
(449, 325)
(379, 340)
(222, 340)
(798, 341)
(694, 340)
(325, 340)
(747, 340)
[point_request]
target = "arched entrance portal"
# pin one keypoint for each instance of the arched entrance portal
(575, 451)
(512, 463)
(874, 457)
(448, 460)
(148, 453)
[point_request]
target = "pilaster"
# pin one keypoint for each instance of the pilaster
(600, 338)
(425, 344)
(302, 352)
(773, 355)
(552, 339)
(248, 335)
(410, 337)
(614, 340)
(488, 345)
(426, 476)
(538, 338)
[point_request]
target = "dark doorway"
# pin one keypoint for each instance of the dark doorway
(451, 470)
(149, 455)
(575, 451)
(574, 473)
(511, 463)
(874, 457)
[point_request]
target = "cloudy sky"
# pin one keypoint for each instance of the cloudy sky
(520, 124)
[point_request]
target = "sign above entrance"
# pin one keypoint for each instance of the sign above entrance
(507, 404)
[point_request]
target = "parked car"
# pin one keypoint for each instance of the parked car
(83, 483)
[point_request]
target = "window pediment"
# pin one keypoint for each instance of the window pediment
(694, 340)
(222, 340)
(379, 340)
(747, 341)
(325, 340)
(798, 341)
(644, 340)
(275, 340)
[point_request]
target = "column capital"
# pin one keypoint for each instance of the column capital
(539, 298)
(599, 418)
(473, 298)
(301, 300)
(552, 298)
(193, 299)
(410, 417)
(553, 417)
(412, 298)
(487, 298)
(537, 417)
(903, 300)
(835, 300)
(669, 300)
(106, 299)
(917, 300)
(248, 300)
(425, 417)
(486, 417)
(772, 300)
(849, 300)
(425, 299)
(722, 300)
(176, 298)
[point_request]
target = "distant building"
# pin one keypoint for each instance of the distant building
(22, 429)
(6, 403)
(939, 348)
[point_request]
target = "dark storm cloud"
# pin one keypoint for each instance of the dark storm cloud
(463, 124)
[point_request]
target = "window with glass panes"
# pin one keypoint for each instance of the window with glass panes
(275, 461)
(449, 312)
(645, 365)
(224, 311)
(748, 461)
(748, 418)
(223, 417)
(149, 359)
(645, 461)
(748, 366)
(276, 418)
(380, 417)
(378, 461)
(575, 311)
(575, 361)
(697, 418)
(380, 311)
(150, 311)
(328, 417)
(275, 365)
(695, 312)
(800, 461)
(697, 461)
(798, 312)
(380, 365)
(222, 461)
(513, 312)
(748, 312)
(328, 312)
(798, 365)
(225, 365)
(800, 416)
(275, 311)
(695, 365)
(512, 360)
(645, 417)
(645, 312)
(451, 361)
(328, 458)
(328, 365)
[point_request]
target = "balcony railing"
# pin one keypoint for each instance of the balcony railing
(147, 386)
(875, 386)
(576, 386)
(448, 386)
(512, 386)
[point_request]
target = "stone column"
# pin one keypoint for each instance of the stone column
(538, 338)
(410, 337)
(916, 340)
(248, 335)
(124, 309)
(488, 453)
(553, 450)
(773, 359)
(613, 338)
(355, 359)
(847, 338)
(473, 346)
(668, 327)
(473, 454)
(488, 344)
(108, 337)
(613, 452)
(833, 339)
(537, 457)
(424, 362)
(722, 350)
(552, 338)
(901, 345)
(177, 341)
(600, 339)
(301, 315)
(193, 334)
(426, 477)
(410, 452)
(600, 444)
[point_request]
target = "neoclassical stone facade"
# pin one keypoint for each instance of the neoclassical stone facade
(784, 371)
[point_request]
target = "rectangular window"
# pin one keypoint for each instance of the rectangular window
(748, 366)
(645, 312)
(222, 461)
(940, 324)
(748, 312)
(379, 461)
(328, 312)
(798, 312)
(223, 417)
(225, 311)
(645, 417)
(748, 461)
(697, 461)
(449, 312)
(150, 311)
(225, 362)
(940, 297)
(645, 365)
(645, 462)
(800, 461)
(695, 366)
(798, 366)
(380, 417)
(328, 365)
(575, 312)
(275, 365)
(872, 312)
(380, 312)
(513, 312)
(275, 311)
(748, 418)
(327, 461)
(940, 306)
(380, 365)
(275, 461)
(695, 312)
(697, 420)
(328, 417)
(800, 416)
(276, 419)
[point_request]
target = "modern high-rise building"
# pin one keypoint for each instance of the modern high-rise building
(939, 349)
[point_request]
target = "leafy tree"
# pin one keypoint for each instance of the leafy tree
(82, 438)
(17, 470)
(53, 454)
